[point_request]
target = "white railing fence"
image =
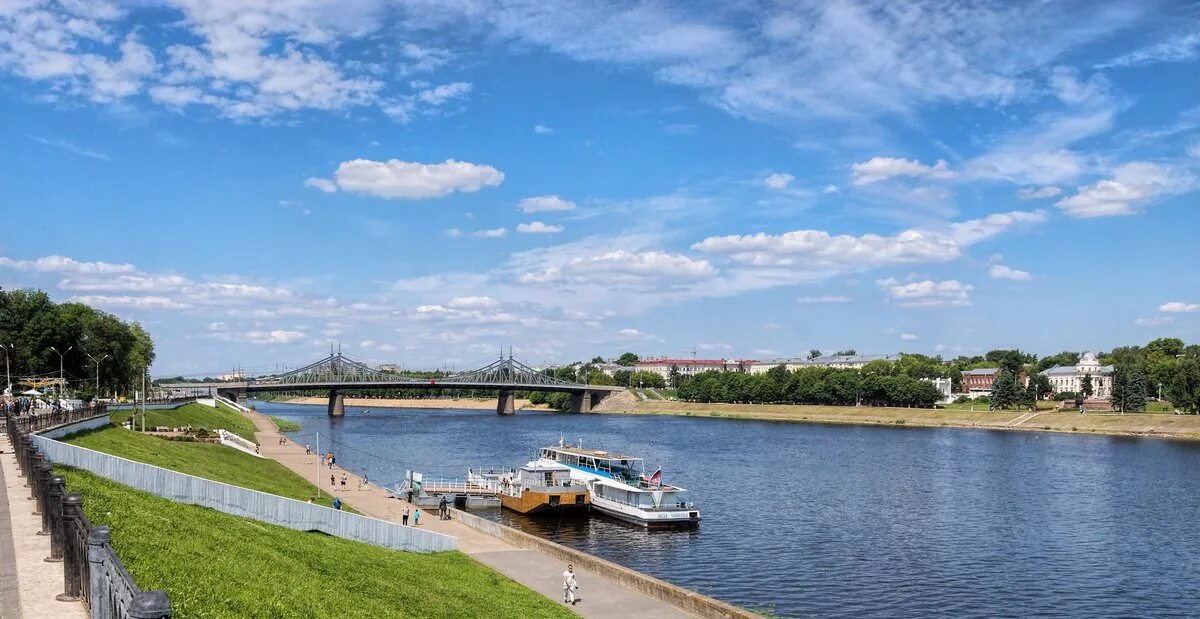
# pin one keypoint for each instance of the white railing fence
(238, 501)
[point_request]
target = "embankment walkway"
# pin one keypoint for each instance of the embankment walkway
(34, 581)
(600, 598)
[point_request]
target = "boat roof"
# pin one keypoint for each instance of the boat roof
(593, 453)
(545, 466)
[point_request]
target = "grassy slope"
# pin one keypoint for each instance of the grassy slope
(216, 565)
(197, 416)
(207, 460)
(1176, 426)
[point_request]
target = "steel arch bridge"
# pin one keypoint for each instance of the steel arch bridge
(338, 373)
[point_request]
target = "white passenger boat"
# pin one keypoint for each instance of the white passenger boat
(620, 488)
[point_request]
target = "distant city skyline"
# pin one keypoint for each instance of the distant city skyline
(426, 183)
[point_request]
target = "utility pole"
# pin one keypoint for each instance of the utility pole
(97, 363)
(62, 383)
(13, 347)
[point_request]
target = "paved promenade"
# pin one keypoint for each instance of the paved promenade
(37, 582)
(600, 598)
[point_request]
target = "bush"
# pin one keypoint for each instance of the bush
(1065, 395)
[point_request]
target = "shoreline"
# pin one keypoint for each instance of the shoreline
(468, 403)
(1153, 425)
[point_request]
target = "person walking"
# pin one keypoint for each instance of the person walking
(404, 518)
(416, 517)
(343, 482)
(332, 481)
(569, 586)
(444, 509)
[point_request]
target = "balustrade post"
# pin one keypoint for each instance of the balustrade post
(35, 460)
(41, 474)
(54, 513)
(99, 599)
(72, 504)
(25, 451)
(150, 605)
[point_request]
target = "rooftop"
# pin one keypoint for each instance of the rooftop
(593, 453)
(668, 361)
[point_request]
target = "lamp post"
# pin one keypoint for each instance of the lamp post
(62, 383)
(7, 374)
(97, 363)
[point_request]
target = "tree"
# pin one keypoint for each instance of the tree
(1184, 391)
(1166, 346)
(1004, 390)
(1041, 386)
(813, 354)
(597, 359)
(1064, 358)
(849, 352)
(622, 377)
(642, 378)
(627, 359)
(1087, 386)
(1011, 360)
(1129, 390)
(674, 375)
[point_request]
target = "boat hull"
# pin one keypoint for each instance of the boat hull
(535, 502)
(656, 519)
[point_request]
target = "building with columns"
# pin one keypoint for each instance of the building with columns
(1069, 378)
(690, 367)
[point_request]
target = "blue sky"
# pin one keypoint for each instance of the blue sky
(425, 182)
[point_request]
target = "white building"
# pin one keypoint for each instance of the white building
(845, 362)
(691, 367)
(1069, 378)
(945, 386)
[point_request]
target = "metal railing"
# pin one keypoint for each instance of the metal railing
(92, 572)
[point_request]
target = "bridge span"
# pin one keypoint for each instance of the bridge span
(338, 373)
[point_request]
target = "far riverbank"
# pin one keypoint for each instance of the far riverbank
(1134, 424)
(471, 403)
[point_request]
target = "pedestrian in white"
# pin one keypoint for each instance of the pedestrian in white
(569, 586)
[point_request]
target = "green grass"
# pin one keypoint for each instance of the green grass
(197, 416)
(217, 565)
(207, 460)
(285, 425)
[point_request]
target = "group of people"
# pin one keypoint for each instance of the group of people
(416, 516)
(27, 406)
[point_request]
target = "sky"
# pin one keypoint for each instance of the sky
(426, 183)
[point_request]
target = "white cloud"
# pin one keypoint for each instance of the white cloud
(542, 130)
(623, 268)
(62, 264)
(444, 93)
(882, 168)
(493, 233)
(1037, 193)
(830, 189)
(71, 147)
(1155, 321)
(1179, 307)
(778, 180)
(537, 227)
(453, 233)
(147, 302)
(1179, 48)
(217, 326)
(927, 293)
(545, 204)
(977, 230)
(1132, 186)
(1000, 271)
(278, 336)
(825, 299)
(909, 337)
(630, 332)
(472, 302)
(818, 250)
(323, 184)
(408, 180)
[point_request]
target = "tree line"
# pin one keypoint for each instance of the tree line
(32, 326)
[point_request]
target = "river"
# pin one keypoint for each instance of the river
(804, 520)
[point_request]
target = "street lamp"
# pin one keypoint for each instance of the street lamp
(62, 383)
(7, 374)
(97, 364)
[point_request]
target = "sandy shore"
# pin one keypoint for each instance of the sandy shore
(489, 403)
(1142, 424)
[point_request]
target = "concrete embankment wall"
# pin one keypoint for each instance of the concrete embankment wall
(236, 500)
(679, 597)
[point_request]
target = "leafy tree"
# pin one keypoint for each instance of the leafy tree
(597, 359)
(1065, 358)
(1086, 386)
(920, 366)
(1129, 390)
(674, 374)
(1040, 384)
(627, 359)
(1166, 346)
(814, 353)
(1011, 360)
(850, 352)
(1184, 391)
(878, 367)
(1005, 391)
(643, 378)
(622, 378)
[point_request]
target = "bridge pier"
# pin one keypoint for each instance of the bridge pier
(236, 395)
(337, 403)
(581, 402)
(506, 405)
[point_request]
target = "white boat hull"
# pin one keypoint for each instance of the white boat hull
(646, 518)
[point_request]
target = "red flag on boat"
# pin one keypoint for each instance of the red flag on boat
(656, 478)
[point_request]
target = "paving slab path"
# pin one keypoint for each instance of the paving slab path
(599, 598)
(37, 582)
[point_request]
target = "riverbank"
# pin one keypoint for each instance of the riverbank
(1135, 424)
(472, 403)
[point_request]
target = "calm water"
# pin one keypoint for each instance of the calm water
(807, 520)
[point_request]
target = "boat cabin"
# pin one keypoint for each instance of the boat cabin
(625, 469)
